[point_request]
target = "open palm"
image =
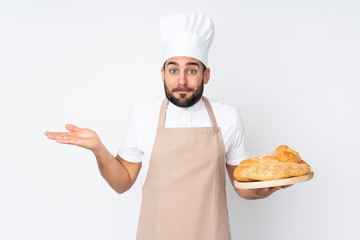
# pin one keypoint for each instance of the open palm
(82, 137)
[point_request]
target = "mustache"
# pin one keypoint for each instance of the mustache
(182, 89)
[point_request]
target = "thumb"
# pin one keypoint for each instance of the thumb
(72, 128)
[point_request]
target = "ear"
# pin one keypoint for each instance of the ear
(206, 75)
(162, 74)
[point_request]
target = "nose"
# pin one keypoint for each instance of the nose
(182, 79)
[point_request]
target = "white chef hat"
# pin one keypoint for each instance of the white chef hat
(188, 35)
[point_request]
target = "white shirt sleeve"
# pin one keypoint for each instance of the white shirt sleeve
(129, 149)
(237, 149)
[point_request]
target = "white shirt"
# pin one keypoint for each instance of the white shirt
(140, 131)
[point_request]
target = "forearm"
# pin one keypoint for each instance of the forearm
(113, 171)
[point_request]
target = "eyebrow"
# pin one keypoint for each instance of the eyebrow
(192, 63)
(188, 63)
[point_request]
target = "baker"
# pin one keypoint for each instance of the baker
(184, 143)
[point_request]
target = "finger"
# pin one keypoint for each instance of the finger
(60, 135)
(286, 186)
(68, 141)
(72, 128)
(47, 133)
(273, 189)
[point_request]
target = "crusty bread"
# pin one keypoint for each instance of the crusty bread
(270, 167)
(285, 154)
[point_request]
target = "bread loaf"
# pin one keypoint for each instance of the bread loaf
(283, 163)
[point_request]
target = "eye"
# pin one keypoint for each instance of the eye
(192, 71)
(172, 71)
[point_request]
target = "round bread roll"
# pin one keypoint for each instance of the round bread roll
(270, 167)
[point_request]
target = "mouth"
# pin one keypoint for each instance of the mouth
(182, 91)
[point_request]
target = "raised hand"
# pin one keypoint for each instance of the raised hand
(82, 137)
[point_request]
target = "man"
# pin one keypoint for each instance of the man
(184, 143)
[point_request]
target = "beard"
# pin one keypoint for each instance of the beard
(183, 101)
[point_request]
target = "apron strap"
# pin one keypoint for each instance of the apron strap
(161, 122)
(210, 112)
(162, 114)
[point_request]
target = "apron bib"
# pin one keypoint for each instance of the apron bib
(184, 194)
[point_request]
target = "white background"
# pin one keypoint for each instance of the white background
(290, 67)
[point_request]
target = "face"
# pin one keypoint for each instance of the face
(184, 79)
